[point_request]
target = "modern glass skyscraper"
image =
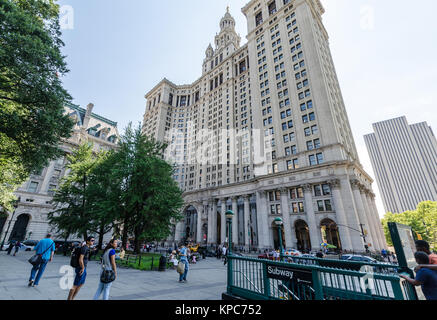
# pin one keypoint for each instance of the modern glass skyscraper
(264, 132)
(404, 158)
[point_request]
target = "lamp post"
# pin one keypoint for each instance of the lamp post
(278, 222)
(229, 215)
(15, 205)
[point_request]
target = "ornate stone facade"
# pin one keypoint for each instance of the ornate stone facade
(265, 132)
(30, 219)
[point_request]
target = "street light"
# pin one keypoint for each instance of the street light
(15, 205)
(278, 222)
(229, 215)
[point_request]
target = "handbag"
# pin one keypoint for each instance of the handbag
(107, 276)
(181, 268)
(37, 259)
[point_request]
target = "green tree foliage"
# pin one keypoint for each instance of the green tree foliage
(73, 211)
(423, 221)
(32, 99)
(148, 198)
(129, 190)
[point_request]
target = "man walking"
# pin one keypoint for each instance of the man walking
(80, 278)
(17, 247)
(45, 248)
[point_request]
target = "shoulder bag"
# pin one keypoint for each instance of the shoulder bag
(107, 276)
(37, 258)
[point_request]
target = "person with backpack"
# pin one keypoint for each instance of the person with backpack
(79, 261)
(45, 248)
(109, 272)
(18, 245)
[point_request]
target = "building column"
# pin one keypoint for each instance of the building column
(285, 209)
(223, 221)
(372, 227)
(214, 221)
(235, 221)
(356, 185)
(199, 225)
(261, 220)
(379, 228)
(315, 234)
(345, 237)
(208, 208)
(246, 199)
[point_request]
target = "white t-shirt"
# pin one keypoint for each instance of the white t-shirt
(224, 250)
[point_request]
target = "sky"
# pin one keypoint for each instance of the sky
(384, 53)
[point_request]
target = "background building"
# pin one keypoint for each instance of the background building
(404, 158)
(30, 219)
(265, 132)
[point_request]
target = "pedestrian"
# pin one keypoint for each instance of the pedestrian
(225, 254)
(17, 247)
(108, 264)
(80, 270)
(425, 277)
(11, 246)
(173, 259)
(45, 248)
(184, 260)
(423, 246)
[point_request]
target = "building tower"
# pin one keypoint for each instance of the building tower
(265, 132)
(404, 158)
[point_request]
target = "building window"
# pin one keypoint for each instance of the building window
(33, 186)
(259, 18)
(272, 7)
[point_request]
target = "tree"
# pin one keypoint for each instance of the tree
(423, 221)
(147, 197)
(32, 99)
(73, 207)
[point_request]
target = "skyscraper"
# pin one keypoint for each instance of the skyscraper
(264, 132)
(404, 158)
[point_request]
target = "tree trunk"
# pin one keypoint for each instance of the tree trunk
(101, 234)
(124, 236)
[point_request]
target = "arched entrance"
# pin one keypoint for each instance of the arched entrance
(190, 224)
(276, 236)
(302, 236)
(19, 231)
(330, 233)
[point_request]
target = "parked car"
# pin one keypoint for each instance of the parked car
(29, 245)
(358, 258)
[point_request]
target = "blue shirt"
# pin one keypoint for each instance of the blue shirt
(428, 278)
(43, 245)
(183, 251)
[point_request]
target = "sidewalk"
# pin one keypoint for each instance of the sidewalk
(206, 281)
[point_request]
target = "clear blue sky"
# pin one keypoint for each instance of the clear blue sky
(384, 52)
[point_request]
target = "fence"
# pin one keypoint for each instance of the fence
(140, 262)
(259, 279)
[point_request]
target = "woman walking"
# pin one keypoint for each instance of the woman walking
(108, 265)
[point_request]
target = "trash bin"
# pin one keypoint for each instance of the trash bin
(162, 263)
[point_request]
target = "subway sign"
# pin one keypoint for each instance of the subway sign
(289, 274)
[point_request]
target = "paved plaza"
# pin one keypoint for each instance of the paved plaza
(206, 281)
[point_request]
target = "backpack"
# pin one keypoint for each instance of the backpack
(75, 255)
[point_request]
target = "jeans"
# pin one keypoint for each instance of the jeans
(184, 275)
(40, 268)
(103, 287)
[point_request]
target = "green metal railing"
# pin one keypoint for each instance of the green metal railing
(345, 264)
(259, 279)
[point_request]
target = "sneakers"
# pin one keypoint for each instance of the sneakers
(30, 283)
